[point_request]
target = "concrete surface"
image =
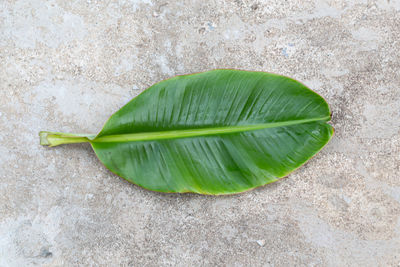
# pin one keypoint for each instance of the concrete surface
(68, 65)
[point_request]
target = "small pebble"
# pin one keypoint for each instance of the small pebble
(261, 243)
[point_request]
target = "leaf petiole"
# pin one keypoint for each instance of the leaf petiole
(56, 138)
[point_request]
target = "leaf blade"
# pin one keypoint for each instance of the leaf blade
(170, 147)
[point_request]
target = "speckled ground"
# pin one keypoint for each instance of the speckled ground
(68, 65)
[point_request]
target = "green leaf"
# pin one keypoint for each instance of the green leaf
(217, 132)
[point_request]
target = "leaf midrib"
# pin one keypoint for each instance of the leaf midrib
(185, 133)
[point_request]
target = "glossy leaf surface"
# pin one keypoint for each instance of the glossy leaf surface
(217, 132)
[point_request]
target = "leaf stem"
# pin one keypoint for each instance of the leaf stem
(56, 138)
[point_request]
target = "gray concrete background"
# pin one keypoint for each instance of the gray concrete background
(68, 65)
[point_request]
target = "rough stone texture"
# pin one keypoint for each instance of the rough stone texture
(68, 65)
